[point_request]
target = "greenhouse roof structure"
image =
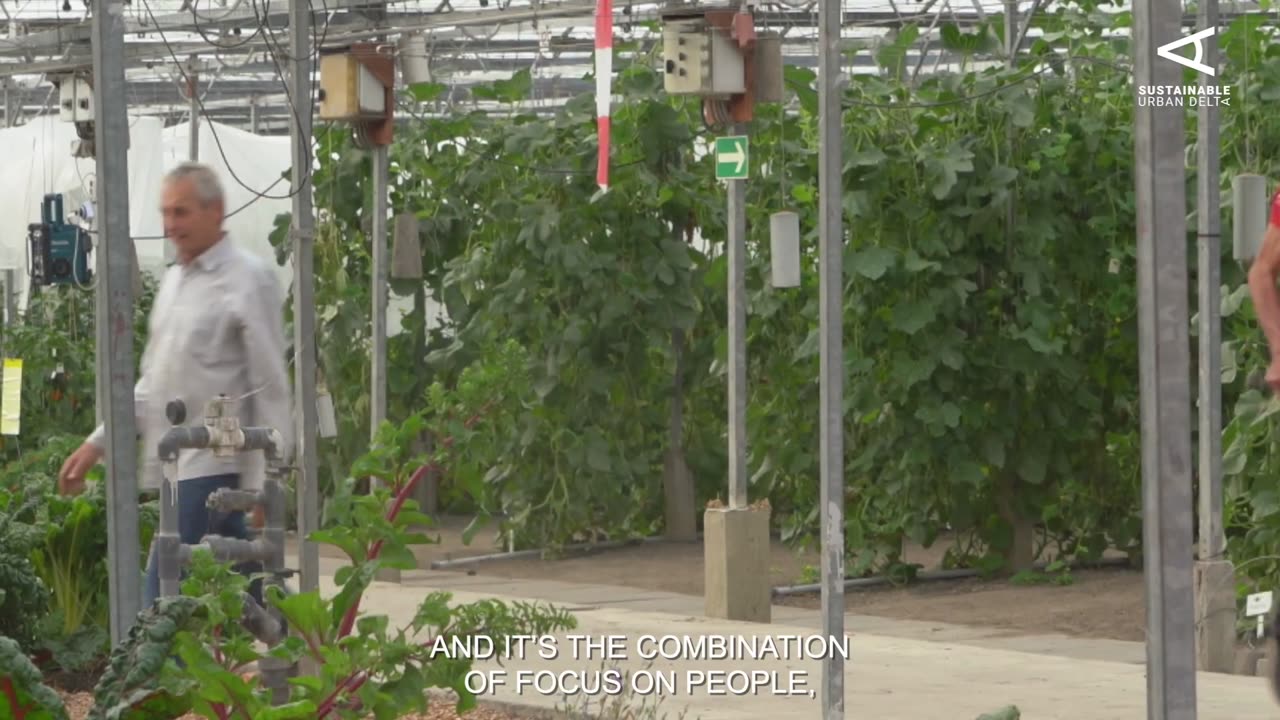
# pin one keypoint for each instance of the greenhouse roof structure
(239, 47)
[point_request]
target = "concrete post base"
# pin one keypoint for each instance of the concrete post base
(1216, 616)
(736, 553)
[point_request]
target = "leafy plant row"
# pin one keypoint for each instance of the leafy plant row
(190, 653)
(991, 384)
(991, 381)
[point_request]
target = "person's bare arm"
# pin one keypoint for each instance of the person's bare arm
(1262, 287)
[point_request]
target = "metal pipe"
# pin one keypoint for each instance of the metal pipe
(931, 575)
(235, 550)
(222, 433)
(228, 500)
(266, 625)
(514, 555)
(182, 438)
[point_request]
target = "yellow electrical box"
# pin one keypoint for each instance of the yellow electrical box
(348, 91)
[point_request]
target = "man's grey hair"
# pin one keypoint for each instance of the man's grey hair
(202, 177)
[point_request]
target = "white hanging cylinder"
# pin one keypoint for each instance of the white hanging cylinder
(411, 52)
(1249, 216)
(784, 248)
(406, 248)
(326, 419)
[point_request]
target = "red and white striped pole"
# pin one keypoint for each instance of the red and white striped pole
(604, 79)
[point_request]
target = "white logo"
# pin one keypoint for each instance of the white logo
(1166, 51)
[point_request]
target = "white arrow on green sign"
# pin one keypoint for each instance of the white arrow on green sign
(731, 157)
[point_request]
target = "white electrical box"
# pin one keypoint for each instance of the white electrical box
(75, 100)
(348, 91)
(700, 60)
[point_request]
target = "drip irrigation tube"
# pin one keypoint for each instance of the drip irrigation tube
(607, 545)
(957, 574)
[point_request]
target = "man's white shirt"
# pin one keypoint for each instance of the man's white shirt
(216, 327)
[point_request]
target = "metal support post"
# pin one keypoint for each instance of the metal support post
(378, 239)
(1164, 364)
(193, 135)
(304, 315)
(114, 317)
(737, 191)
(378, 381)
(1214, 576)
(193, 92)
(253, 115)
(11, 296)
(831, 362)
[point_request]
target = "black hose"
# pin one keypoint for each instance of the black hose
(259, 438)
(182, 438)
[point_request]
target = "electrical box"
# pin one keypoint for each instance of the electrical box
(75, 100)
(349, 91)
(59, 250)
(701, 60)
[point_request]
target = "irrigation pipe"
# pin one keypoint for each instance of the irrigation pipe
(956, 574)
(607, 545)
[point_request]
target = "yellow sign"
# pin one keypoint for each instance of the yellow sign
(11, 397)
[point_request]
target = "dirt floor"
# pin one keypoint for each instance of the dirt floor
(1092, 603)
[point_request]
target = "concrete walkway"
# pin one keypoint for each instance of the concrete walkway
(897, 671)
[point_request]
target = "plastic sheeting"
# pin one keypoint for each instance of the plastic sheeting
(40, 162)
(251, 167)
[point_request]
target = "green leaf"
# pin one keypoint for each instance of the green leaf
(872, 262)
(1232, 301)
(598, 454)
(967, 473)
(427, 91)
(866, 158)
(1032, 465)
(911, 316)
(993, 449)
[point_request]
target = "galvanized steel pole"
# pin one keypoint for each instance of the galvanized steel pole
(304, 313)
(831, 363)
(737, 257)
(114, 318)
(1164, 364)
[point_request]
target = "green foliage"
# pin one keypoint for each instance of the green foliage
(365, 666)
(22, 694)
(65, 547)
(990, 376)
(23, 597)
(135, 684)
(1008, 712)
(55, 340)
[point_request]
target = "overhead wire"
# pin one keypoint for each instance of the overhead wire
(263, 25)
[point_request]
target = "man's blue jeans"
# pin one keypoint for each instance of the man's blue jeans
(195, 521)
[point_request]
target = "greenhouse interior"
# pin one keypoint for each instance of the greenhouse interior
(514, 359)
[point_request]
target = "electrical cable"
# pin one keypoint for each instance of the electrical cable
(293, 107)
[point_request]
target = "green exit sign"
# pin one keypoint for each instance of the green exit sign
(731, 157)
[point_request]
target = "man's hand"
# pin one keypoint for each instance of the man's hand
(71, 477)
(259, 518)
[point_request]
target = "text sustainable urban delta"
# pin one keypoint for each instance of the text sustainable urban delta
(1184, 96)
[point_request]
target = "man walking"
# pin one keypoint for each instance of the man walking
(217, 327)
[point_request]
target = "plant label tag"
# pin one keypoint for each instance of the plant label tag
(1258, 604)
